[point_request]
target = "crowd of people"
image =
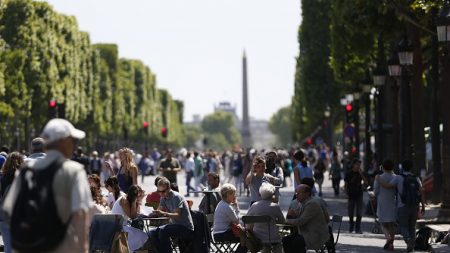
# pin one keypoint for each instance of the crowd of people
(78, 186)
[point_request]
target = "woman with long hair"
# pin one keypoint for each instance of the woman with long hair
(128, 172)
(13, 162)
(114, 192)
(129, 207)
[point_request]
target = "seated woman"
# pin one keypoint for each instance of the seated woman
(154, 198)
(129, 207)
(266, 206)
(226, 213)
(100, 205)
(114, 192)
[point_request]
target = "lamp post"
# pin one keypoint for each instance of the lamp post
(405, 56)
(357, 97)
(443, 32)
(344, 123)
(366, 87)
(379, 80)
(395, 72)
(328, 131)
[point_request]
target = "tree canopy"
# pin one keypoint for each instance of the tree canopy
(44, 56)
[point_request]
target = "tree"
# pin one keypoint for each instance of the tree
(44, 56)
(192, 134)
(221, 123)
(280, 126)
(314, 87)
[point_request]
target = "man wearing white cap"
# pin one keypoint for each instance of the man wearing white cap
(70, 186)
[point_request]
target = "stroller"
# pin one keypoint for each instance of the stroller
(376, 229)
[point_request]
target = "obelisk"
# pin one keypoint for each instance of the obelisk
(245, 128)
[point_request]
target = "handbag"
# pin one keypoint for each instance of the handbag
(120, 243)
(235, 229)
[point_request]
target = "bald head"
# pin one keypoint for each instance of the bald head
(303, 193)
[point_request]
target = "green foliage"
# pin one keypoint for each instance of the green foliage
(191, 134)
(315, 87)
(280, 126)
(44, 56)
(221, 123)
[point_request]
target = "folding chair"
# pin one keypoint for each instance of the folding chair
(224, 246)
(254, 219)
(102, 231)
(332, 244)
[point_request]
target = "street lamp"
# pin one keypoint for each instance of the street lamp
(379, 77)
(395, 72)
(394, 67)
(366, 84)
(405, 56)
(379, 80)
(443, 24)
(443, 32)
(405, 52)
(327, 125)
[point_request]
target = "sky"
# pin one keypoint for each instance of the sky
(195, 47)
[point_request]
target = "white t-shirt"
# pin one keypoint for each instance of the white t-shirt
(112, 199)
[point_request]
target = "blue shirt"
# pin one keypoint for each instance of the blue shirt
(304, 172)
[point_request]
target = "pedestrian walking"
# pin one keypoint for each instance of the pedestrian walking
(198, 172)
(95, 164)
(237, 169)
(170, 166)
(354, 187)
(66, 206)
(189, 168)
(37, 149)
(319, 169)
(335, 173)
(386, 204)
(410, 195)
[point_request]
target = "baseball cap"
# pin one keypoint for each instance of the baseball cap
(57, 129)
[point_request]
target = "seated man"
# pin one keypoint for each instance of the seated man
(268, 234)
(174, 206)
(295, 206)
(210, 200)
(311, 224)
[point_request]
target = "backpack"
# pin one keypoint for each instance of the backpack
(35, 223)
(411, 190)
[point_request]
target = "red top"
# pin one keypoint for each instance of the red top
(153, 197)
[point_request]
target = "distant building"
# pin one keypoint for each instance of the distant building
(262, 137)
(225, 106)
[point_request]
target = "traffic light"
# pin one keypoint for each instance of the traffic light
(145, 127)
(164, 132)
(52, 109)
(348, 111)
(349, 108)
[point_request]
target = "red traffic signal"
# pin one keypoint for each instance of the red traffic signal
(145, 124)
(164, 132)
(348, 108)
(309, 141)
(52, 103)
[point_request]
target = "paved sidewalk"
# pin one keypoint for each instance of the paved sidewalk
(348, 242)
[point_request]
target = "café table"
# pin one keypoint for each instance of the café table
(154, 222)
